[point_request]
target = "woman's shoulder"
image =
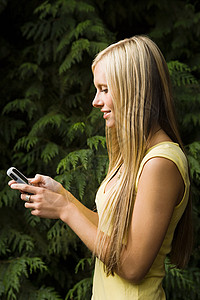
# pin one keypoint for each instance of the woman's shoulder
(173, 155)
(166, 149)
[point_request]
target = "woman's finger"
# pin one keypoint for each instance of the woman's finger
(11, 182)
(37, 179)
(29, 205)
(30, 179)
(28, 198)
(25, 188)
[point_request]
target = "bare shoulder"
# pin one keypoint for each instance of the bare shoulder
(161, 164)
(162, 174)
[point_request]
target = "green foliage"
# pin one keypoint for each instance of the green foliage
(48, 126)
(82, 288)
(181, 281)
(73, 158)
(186, 93)
(194, 160)
(46, 293)
(15, 271)
(82, 264)
(181, 74)
(95, 140)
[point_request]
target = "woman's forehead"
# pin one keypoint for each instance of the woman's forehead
(99, 74)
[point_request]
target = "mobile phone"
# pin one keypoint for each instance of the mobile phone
(17, 175)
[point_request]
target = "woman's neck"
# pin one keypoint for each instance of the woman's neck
(158, 136)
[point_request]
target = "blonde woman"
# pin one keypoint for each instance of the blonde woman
(143, 205)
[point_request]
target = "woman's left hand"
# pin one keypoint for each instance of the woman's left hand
(42, 202)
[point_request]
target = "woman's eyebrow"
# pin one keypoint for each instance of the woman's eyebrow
(100, 85)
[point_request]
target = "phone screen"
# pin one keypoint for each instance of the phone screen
(17, 175)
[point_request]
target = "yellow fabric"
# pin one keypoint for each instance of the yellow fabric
(115, 287)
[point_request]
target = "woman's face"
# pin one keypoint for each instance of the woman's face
(103, 98)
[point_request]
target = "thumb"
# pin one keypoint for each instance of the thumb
(37, 179)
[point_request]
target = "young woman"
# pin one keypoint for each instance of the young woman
(143, 206)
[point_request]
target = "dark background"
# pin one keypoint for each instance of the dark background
(48, 126)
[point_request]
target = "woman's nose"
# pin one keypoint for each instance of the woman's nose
(97, 102)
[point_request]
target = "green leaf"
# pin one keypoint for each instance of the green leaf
(35, 263)
(28, 69)
(75, 55)
(49, 152)
(181, 74)
(51, 119)
(72, 159)
(95, 140)
(82, 263)
(74, 128)
(26, 142)
(23, 105)
(47, 293)
(80, 289)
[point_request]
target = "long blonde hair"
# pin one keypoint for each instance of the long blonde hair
(138, 81)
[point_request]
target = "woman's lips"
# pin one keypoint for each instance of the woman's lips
(106, 114)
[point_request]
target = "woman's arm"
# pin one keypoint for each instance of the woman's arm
(160, 188)
(89, 214)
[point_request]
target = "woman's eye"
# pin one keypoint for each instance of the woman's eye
(104, 91)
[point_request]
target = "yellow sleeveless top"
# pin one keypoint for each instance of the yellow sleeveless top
(117, 288)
